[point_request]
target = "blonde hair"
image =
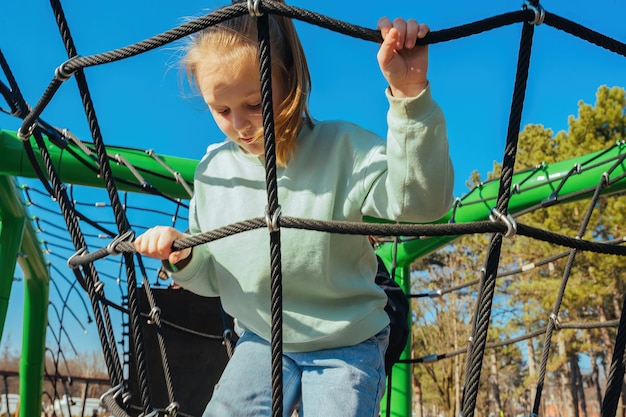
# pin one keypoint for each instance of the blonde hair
(237, 37)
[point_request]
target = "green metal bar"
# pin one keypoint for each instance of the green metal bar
(11, 229)
(14, 161)
(532, 187)
(36, 291)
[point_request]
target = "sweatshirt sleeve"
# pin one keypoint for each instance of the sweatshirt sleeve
(417, 185)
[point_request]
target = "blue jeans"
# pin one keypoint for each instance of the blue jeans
(346, 381)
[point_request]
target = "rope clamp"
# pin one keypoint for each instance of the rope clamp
(555, 320)
(115, 391)
(112, 247)
(430, 358)
(253, 8)
(272, 220)
(71, 260)
(25, 136)
(227, 335)
(172, 409)
(508, 220)
(540, 12)
(435, 294)
(154, 314)
(61, 74)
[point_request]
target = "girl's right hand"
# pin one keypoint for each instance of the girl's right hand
(157, 243)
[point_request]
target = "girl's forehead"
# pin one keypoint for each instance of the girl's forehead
(222, 79)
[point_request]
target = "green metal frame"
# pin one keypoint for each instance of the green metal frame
(534, 187)
(17, 235)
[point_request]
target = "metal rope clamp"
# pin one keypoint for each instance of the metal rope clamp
(25, 136)
(253, 8)
(124, 237)
(114, 391)
(61, 73)
(272, 219)
(153, 413)
(508, 220)
(172, 409)
(71, 260)
(556, 321)
(540, 12)
(154, 314)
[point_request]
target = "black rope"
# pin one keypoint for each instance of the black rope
(615, 379)
(121, 220)
(75, 65)
(155, 319)
(559, 299)
(477, 346)
(105, 329)
(355, 228)
(531, 335)
(272, 213)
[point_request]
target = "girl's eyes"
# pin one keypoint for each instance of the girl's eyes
(250, 106)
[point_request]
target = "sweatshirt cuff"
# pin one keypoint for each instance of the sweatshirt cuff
(418, 107)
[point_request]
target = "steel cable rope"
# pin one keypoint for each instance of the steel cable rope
(615, 379)
(77, 237)
(504, 198)
(65, 70)
(71, 221)
(25, 188)
(105, 329)
(482, 318)
(355, 228)
(272, 214)
(561, 293)
(530, 335)
(118, 210)
(155, 319)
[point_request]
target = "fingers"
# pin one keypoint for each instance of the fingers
(400, 33)
(157, 242)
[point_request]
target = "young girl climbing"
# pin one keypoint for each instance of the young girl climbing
(335, 328)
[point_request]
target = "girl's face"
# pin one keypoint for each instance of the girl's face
(232, 90)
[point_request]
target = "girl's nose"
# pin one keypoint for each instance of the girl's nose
(240, 122)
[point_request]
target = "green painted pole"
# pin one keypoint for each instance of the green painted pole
(400, 400)
(12, 223)
(36, 291)
(532, 187)
(14, 161)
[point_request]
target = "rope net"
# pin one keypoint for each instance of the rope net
(92, 230)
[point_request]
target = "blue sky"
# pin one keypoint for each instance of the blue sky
(140, 102)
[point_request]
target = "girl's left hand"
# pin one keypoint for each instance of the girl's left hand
(403, 64)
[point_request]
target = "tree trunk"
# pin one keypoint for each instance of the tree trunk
(571, 408)
(417, 398)
(532, 369)
(493, 400)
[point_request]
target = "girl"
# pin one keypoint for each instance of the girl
(335, 329)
